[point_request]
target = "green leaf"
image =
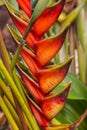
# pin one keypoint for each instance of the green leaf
(72, 111)
(78, 90)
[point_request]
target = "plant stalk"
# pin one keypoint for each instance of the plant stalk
(7, 92)
(15, 58)
(8, 114)
(4, 54)
(72, 47)
(81, 35)
(81, 62)
(13, 112)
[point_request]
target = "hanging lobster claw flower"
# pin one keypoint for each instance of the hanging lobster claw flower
(41, 119)
(54, 103)
(46, 49)
(26, 6)
(49, 78)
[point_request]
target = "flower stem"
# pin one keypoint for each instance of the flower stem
(8, 114)
(13, 112)
(15, 58)
(7, 92)
(4, 54)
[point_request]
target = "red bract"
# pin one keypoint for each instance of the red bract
(26, 6)
(47, 18)
(46, 49)
(54, 103)
(40, 117)
(31, 61)
(49, 78)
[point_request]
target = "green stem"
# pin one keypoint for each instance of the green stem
(7, 92)
(4, 54)
(72, 47)
(66, 45)
(81, 35)
(12, 111)
(81, 62)
(8, 114)
(19, 86)
(81, 25)
(15, 58)
(57, 59)
(27, 112)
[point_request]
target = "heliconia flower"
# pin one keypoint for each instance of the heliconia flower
(32, 87)
(46, 49)
(26, 6)
(39, 115)
(49, 78)
(54, 103)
